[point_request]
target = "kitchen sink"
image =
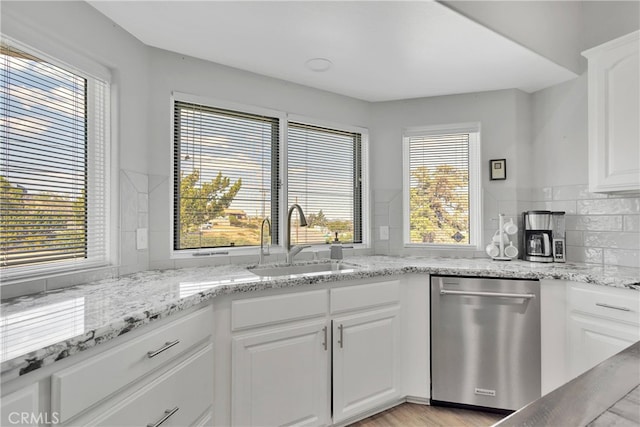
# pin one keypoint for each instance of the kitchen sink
(303, 270)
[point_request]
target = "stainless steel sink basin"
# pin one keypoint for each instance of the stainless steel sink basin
(302, 270)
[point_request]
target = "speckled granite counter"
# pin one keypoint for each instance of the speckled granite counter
(37, 330)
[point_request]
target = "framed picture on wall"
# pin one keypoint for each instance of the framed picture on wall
(498, 168)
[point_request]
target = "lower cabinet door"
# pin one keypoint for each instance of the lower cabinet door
(179, 397)
(593, 339)
(280, 376)
(366, 361)
(21, 408)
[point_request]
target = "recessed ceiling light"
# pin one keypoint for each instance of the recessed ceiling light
(318, 64)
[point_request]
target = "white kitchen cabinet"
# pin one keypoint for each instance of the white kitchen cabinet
(614, 129)
(553, 334)
(21, 408)
(178, 397)
(136, 379)
(601, 321)
(304, 352)
(366, 361)
(281, 376)
(280, 360)
(73, 389)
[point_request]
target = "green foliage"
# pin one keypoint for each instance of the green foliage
(439, 205)
(203, 201)
(40, 222)
(317, 220)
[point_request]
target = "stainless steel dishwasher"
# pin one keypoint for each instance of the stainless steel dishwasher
(485, 341)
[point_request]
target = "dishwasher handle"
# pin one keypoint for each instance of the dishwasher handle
(486, 294)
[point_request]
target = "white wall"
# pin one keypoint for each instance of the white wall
(551, 28)
(504, 117)
(601, 229)
(174, 72)
(607, 20)
(559, 134)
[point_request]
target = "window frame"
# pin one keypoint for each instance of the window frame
(93, 72)
(475, 183)
(226, 105)
(364, 171)
(283, 204)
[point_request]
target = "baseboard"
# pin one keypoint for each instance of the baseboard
(418, 400)
(370, 412)
(382, 408)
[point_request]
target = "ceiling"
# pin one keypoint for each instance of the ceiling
(379, 51)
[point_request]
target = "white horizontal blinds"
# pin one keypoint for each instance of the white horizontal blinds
(324, 177)
(98, 191)
(224, 168)
(439, 189)
(43, 157)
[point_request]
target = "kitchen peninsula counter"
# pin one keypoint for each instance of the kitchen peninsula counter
(606, 395)
(40, 329)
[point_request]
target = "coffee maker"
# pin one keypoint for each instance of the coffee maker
(558, 231)
(543, 236)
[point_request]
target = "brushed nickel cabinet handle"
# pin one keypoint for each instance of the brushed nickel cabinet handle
(167, 414)
(324, 343)
(341, 339)
(615, 307)
(165, 347)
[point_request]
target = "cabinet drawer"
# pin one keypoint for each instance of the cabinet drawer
(262, 311)
(180, 396)
(612, 303)
(364, 296)
(75, 389)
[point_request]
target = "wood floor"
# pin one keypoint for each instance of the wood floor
(413, 415)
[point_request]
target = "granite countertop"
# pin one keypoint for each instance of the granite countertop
(37, 330)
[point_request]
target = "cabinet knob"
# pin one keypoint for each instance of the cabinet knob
(341, 339)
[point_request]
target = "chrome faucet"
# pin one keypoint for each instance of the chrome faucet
(262, 252)
(293, 251)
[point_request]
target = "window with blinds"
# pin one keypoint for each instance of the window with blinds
(439, 192)
(324, 172)
(225, 176)
(53, 160)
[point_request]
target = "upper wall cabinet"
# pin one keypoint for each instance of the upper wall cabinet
(614, 115)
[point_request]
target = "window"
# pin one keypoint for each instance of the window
(53, 164)
(225, 176)
(325, 178)
(442, 186)
(228, 177)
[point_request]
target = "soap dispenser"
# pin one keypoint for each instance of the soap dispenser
(336, 248)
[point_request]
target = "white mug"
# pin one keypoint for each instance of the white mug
(496, 238)
(492, 250)
(511, 251)
(510, 228)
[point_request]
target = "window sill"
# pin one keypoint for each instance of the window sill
(54, 280)
(442, 247)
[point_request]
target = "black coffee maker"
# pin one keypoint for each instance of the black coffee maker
(538, 237)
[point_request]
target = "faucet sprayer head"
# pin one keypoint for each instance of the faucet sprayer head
(303, 219)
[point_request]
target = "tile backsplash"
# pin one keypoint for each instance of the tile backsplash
(601, 228)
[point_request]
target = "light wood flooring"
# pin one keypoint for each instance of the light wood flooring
(414, 415)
